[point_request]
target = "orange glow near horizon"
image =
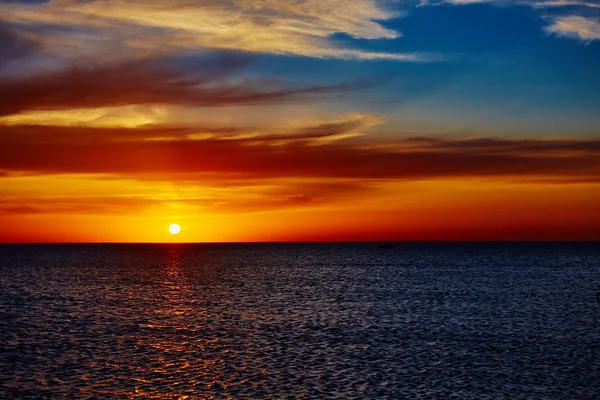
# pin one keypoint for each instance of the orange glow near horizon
(424, 210)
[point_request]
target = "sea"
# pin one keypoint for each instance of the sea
(311, 321)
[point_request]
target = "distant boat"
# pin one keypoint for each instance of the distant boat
(387, 246)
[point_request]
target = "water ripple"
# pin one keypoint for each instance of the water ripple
(300, 321)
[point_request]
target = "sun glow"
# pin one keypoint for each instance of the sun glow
(174, 229)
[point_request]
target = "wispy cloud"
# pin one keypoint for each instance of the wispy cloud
(577, 27)
(147, 82)
(530, 3)
(266, 26)
(459, 2)
(570, 18)
(268, 196)
(565, 3)
(14, 45)
(327, 131)
(270, 155)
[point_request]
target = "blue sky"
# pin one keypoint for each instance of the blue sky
(494, 68)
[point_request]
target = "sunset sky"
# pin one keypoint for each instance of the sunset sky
(308, 120)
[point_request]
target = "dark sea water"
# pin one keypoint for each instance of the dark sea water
(420, 321)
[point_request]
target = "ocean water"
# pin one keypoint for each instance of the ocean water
(419, 321)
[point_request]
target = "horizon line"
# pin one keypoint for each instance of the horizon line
(307, 242)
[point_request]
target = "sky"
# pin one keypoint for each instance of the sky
(299, 120)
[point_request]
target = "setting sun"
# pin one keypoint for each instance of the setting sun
(174, 229)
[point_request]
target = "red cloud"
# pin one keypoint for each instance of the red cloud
(48, 150)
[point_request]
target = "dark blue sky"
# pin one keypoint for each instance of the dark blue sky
(492, 68)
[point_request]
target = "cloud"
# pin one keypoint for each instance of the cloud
(232, 170)
(270, 156)
(83, 205)
(347, 126)
(530, 3)
(583, 25)
(282, 195)
(501, 146)
(148, 82)
(576, 27)
(300, 27)
(459, 2)
(565, 3)
(240, 198)
(14, 45)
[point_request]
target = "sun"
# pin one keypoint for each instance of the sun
(174, 229)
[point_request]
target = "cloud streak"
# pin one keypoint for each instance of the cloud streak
(275, 195)
(347, 126)
(273, 156)
(530, 3)
(302, 27)
(14, 46)
(148, 82)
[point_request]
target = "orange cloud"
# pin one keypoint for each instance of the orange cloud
(49, 150)
(240, 199)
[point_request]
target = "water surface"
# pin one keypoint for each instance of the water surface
(420, 321)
